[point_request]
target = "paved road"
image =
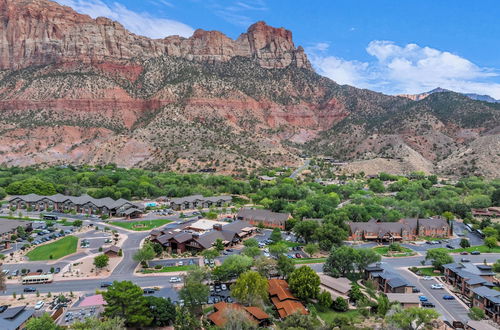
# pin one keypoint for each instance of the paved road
(450, 310)
(300, 169)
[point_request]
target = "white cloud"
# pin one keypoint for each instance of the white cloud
(238, 12)
(139, 23)
(407, 69)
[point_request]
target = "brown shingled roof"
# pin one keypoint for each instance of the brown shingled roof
(284, 301)
(254, 314)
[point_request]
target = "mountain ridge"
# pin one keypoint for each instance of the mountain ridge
(209, 101)
(473, 96)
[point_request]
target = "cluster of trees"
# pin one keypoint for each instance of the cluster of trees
(346, 261)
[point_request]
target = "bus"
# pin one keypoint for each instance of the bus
(50, 217)
(469, 227)
(37, 279)
(480, 233)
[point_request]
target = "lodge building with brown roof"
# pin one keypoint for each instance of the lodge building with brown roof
(264, 217)
(402, 230)
(254, 314)
(283, 300)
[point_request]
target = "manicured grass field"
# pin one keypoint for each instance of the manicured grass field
(428, 271)
(309, 260)
(384, 250)
(170, 269)
(141, 225)
(330, 314)
(58, 249)
(480, 248)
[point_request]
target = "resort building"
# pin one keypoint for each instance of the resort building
(254, 314)
(283, 300)
(263, 217)
(467, 276)
(404, 229)
(386, 281)
(81, 204)
(14, 318)
(198, 201)
(488, 300)
(9, 227)
(185, 239)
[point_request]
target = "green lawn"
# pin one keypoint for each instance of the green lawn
(58, 249)
(17, 218)
(309, 260)
(288, 244)
(480, 248)
(330, 314)
(141, 225)
(384, 250)
(170, 269)
(428, 271)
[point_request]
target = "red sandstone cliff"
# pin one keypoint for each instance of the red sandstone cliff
(37, 32)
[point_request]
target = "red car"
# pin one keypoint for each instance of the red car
(464, 253)
(297, 255)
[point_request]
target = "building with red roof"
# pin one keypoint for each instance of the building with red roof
(283, 300)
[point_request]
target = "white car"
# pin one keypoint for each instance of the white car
(175, 280)
(427, 278)
(39, 305)
(223, 287)
(181, 263)
(437, 286)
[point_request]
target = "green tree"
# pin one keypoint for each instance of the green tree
(92, 323)
(383, 305)
(325, 300)
(311, 249)
(413, 318)
(232, 266)
(376, 186)
(278, 249)
(162, 311)
(491, 242)
(330, 234)
(285, 266)
(251, 288)
(356, 295)
(144, 254)
(2, 280)
(448, 215)
(489, 231)
(44, 322)
(251, 251)
(438, 257)
(77, 223)
(276, 235)
(464, 243)
(101, 261)
(210, 254)
(219, 245)
(477, 314)
(345, 260)
(304, 283)
(340, 304)
(237, 319)
(299, 321)
(195, 292)
(126, 300)
(185, 320)
(265, 266)
(496, 266)
(306, 229)
(158, 248)
(251, 242)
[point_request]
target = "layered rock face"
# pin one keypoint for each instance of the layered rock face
(40, 32)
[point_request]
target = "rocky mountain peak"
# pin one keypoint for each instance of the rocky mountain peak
(40, 32)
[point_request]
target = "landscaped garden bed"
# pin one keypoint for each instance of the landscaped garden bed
(141, 225)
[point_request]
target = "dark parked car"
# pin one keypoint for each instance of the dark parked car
(415, 290)
(465, 260)
(148, 290)
(29, 289)
(57, 270)
(475, 253)
(464, 253)
(106, 284)
(448, 297)
(297, 255)
(449, 246)
(428, 304)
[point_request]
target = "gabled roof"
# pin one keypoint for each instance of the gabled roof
(12, 318)
(279, 288)
(262, 215)
(78, 200)
(490, 294)
(254, 314)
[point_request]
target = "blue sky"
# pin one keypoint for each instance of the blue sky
(386, 45)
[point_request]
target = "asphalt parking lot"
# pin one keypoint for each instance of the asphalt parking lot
(435, 296)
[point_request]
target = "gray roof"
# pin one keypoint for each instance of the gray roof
(466, 269)
(262, 215)
(12, 318)
(408, 224)
(77, 200)
(490, 294)
(9, 225)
